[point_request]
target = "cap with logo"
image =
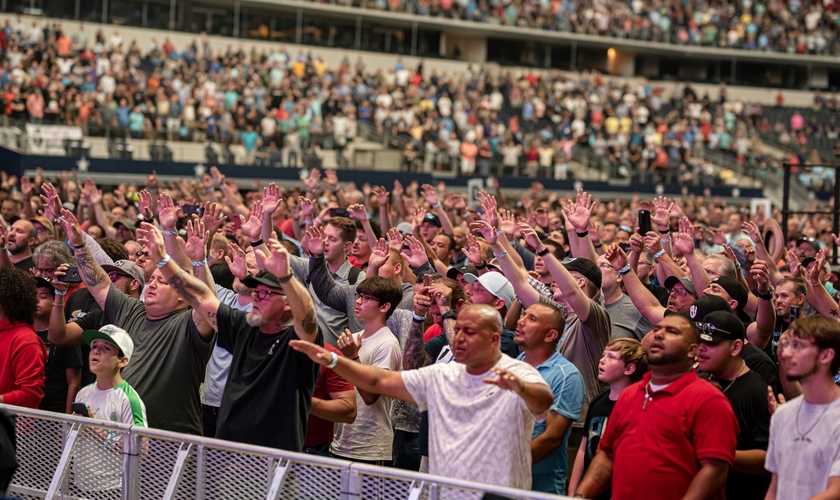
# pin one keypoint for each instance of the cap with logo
(432, 219)
(586, 267)
(496, 284)
(44, 222)
(735, 289)
(454, 272)
(127, 268)
(707, 304)
(42, 283)
(263, 278)
(112, 334)
(687, 283)
(811, 241)
(807, 262)
(719, 326)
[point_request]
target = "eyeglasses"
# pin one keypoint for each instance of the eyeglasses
(137, 255)
(710, 329)
(366, 298)
(682, 292)
(263, 294)
(114, 276)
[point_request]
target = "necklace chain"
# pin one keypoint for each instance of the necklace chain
(744, 365)
(804, 436)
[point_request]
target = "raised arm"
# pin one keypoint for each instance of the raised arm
(271, 201)
(95, 199)
(358, 212)
(641, 297)
(26, 191)
(579, 214)
(332, 294)
(368, 378)
(661, 216)
(61, 332)
(94, 277)
(760, 332)
(517, 276)
(431, 196)
(297, 296)
(415, 355)
(168, 215)
(5, 261)
(684, 243)
(817, 295)
(761, 252)
(384, 210)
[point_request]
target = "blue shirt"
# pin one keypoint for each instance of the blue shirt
(566, 382)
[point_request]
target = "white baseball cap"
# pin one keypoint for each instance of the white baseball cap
(113, 335)
(496, 284)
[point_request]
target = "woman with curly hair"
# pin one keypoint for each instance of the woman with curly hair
(22, 353)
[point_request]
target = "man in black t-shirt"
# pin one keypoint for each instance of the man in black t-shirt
(720, 356)
(269, 389)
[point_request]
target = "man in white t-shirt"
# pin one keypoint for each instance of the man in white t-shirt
(482, 408)
(109, 398)
(370, 437)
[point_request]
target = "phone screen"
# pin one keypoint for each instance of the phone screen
(80, 409)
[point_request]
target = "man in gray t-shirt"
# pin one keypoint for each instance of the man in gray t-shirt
(627, 320)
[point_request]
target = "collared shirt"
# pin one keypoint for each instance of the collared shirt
(657, 439)
(566, 382)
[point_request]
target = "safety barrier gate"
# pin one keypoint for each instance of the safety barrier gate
(69, 457)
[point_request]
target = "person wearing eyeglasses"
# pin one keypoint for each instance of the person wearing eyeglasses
(369, 439)
(671, 433)
(721, 360)
(803, 451)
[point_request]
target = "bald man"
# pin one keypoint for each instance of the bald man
(488, 425)
(20, 240)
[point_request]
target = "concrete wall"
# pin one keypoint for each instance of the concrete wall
(463, 48)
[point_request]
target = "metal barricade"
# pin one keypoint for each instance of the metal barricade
(78, 458)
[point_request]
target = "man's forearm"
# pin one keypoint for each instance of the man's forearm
(101, 221)
(750, 462)
(193, 291)
(518, 279)
(598, 476)
(96, 250)
(445, 223)
(765, 321)
(699, 276)
(303, 308)
(415, 350)
(708, 480)
(334, 410)
(641, 297)
(94, 277)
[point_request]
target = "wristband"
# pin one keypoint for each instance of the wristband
(60, 294)
(500, 257)
(465, 214)
(171, 233)
(583, 234)
(543, 252)
(482, 266)
(200, 263)
(257, 243)
(500, 232)
(162, 263)
(75, 247)
(334, 360)
(665, 240)
(624, 270)
(418, 319)
(58, 304)
(659, 254)
(667, 231)
(764, 296)
(287, 279)
(307, 223)
(436, 206)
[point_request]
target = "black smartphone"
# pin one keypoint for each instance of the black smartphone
(193, 210)
(80, 409)
(71, 276)
(644, 222)
(794, 313)
(339, 212)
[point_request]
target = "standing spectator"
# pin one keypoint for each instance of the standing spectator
(20, 241)
(537, 334)
(333, 401)
(803, 450)
(469, 151)
(22, 353)
(624, 363)
(35, 106)
(722, 342)
(646, 445)
(469, 420)
(370, 438)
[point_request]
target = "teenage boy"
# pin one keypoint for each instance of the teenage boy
(370, 437)
(623, 363)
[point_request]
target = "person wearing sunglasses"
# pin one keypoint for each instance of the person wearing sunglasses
(721, 360)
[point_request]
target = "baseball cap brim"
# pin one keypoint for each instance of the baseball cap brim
(712, 338)
(108, 268)
(454, 272)
(42, 283)
(90, 335)
(268, 280)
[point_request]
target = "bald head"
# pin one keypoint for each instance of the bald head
(487, 315)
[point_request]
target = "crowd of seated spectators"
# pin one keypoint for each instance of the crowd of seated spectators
(282, 107)
(795, 27)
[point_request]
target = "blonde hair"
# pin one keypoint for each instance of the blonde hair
(632, 353)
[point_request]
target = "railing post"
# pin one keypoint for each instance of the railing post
(200, 477)
(132, 450)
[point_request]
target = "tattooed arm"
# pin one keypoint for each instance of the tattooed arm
(598, 476)
(93, 276)
(415, 355)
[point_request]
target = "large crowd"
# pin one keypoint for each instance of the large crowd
(282, 107)
(595, 348)
(795, 27)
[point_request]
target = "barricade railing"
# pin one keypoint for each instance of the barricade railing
(70, 457)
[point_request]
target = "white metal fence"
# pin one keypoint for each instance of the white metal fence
(69, 457)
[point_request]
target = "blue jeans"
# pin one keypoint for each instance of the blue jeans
(406, 453)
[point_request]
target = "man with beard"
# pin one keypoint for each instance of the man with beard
(20, 240)
(670, 433)
(680, 300)
(269, 386)
(803, 451)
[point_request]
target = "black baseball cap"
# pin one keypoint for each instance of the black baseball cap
(811, 241)
(706, 305)
(263, 278)
(736, 290)
(585, 267)
(42, 283)
(687, 283)
(432, 219)
(454, 272)
(719, 326)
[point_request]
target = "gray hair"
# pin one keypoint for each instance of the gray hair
(55, 252)
(728, 267)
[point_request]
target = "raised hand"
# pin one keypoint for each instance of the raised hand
(760, 275)
(507, 223)
(717, 236)
(357, 212)
(793, 264)
(430, 194)
(379, 254)
(616, 256)
(527, 202)
(316, 240)
(751, 228)
(306, 206)
(26, 187)
(581, 212)
(637, 243)
(472, 249)
(277, 259)
(530, 236)
(213, 217)
(381, 195)
(71, 227)
(154, 239)
(506, 380)
(348, 345)
(331, 178)
(419, 215)
(253, 226)
(52, 203)
(729, 254)
(313, 179)
(271, 198)
(455, 202)
(395, 239)
(485, 229)
(236, 263)
(416, 255)
(749, 255)
(661, 213)
(422, 301)
(92, 194)
(168, 213)
(683, 241)
(196, 245)
(653, 244)
(398, 190)
(152, 180)
(814, 274)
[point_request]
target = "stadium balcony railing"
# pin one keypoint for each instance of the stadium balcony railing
(64, 456)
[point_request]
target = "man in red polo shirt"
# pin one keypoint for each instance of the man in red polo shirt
(672, 435)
